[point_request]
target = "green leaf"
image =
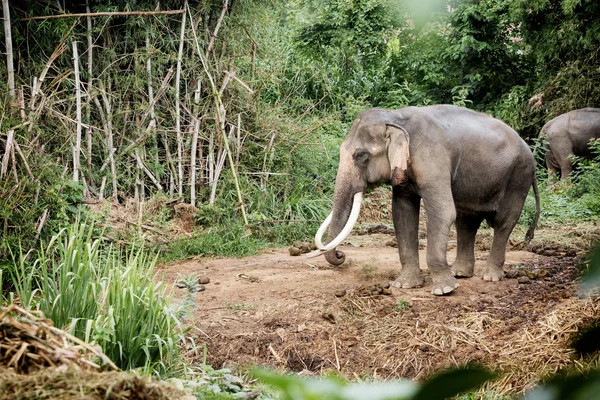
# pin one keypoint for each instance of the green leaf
(452, 382)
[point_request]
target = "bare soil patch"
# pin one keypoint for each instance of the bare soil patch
(284, 312)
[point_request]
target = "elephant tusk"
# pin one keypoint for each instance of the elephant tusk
(321, 231)
(316, 253)
(347, 228)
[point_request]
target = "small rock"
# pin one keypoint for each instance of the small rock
(294, 251)
(340, 293)
(523, 280)
(328, 316)
(203, 280)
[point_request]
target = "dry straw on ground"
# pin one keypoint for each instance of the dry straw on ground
(30, 342)
(39, 361)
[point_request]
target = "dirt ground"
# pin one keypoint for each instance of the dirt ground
(303, 315)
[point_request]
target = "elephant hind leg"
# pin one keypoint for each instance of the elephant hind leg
(503, 223)
(466, 229)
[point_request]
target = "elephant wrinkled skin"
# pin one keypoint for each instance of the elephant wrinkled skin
(466, 167)
(568, 134)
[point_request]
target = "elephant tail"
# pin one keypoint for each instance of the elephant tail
(530, 231)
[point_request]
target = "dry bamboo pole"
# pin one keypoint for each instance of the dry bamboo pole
(10, 68)
(7, 152)
(21, 101)
(106, 115)
(268, 151)
(238, 145)
(77, 147)
(145, 169)
(18, 148)
(194, 149)
(38, 81)
(88, 109)
(177, 107)
(152, 125)
(220, 110)
(211, 43)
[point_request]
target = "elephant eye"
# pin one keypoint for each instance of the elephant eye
(361, 155)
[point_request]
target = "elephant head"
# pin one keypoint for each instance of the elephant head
(376, 150)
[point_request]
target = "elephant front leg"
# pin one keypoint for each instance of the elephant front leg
(405, 212)
(441, 214)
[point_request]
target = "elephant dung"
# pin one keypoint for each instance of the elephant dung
(523, 280)
(295, 251)
(203, 280)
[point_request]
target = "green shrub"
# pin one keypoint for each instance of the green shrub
(103, 296)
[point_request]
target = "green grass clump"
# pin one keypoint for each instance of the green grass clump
(103, 296)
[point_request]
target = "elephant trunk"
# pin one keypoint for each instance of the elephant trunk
(338, 231)
(346, 208)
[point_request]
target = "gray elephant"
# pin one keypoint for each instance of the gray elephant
(569, 134)
(466, 167)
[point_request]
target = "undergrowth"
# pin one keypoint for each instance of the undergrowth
(104, 296)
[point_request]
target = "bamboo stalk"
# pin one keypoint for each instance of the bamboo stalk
(77, 147)
(220, 109)
(106, 115)
(143, 167)
(21, 101)
(177, 106)
(10, 68)
(152, 124)
(104, 14)
(18, 148)
(194, 149)
(7, 152)
(88, 109)
(211, 43)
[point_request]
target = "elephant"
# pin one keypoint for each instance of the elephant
(465, 166)
(568, 134)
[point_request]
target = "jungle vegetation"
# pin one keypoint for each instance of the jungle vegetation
(238, 108)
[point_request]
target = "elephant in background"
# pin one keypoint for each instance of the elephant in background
(568, 134)
(466, 167)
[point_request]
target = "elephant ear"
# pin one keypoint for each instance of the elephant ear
(398, 153)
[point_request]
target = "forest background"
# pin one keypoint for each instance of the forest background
(237, 108)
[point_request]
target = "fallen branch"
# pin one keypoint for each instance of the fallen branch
(104, 14)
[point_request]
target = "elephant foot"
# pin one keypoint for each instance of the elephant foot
(462, 270)
(443, 283)
(409, 279)
(493, 274)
